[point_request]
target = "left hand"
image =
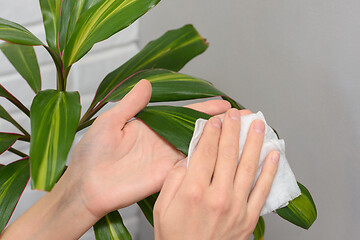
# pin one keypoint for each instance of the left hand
(117, 162)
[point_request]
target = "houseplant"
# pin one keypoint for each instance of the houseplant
(72, 28)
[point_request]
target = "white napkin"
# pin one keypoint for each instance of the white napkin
(284, 187)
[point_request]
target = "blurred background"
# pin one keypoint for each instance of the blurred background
(296, 61)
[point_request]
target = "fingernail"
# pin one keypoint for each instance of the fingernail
(259, 126)
(216, 122)
(275, 157)
(234, 114)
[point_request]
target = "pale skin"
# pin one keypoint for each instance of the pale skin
(117, 163)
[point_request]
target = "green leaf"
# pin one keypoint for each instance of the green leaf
(147, 206)
(301, 211)
(100, 22)
(7, 140)
(51, 16)
(4, 93)
(111, 227)
(171, 51)
(166, 86)
(13, 179)
(259, 230)
(71, 11)
(54, 119)
(174, 124)
(23, 58)
(6, 116)
(15, 33)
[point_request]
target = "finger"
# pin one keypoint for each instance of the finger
(228, 153)
(263, 184)
(245, 112)
(249, 160)
(202, 162)
(171, 185)
(132, 103)
(211, 107)
(242, 113)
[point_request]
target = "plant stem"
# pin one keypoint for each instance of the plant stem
(17, 152)
(85, 125)
(61, 82)
(25, 138)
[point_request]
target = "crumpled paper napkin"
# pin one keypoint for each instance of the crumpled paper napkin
(284, 187)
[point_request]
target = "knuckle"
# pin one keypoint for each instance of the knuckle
(249, 168)
(194, 193)
(220, 203)
(230, 152)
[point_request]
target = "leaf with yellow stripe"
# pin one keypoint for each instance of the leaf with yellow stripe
(51, 17)
(111, 227)
(170, 51)
(100, 22)
(71, 11)
(54, 119)
(23, 58)
(15, 33)
(301, 211)
(259, 230)
(166, 86)
(13, 179)
(174, 124)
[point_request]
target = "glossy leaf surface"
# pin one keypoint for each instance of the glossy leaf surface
(102, 21)
(171, 51)
(23, 58)
(54, 119)
(147, 206)
(259, 230)
(51, 17)
(6, 116)
(166, 86)
(174, 124)
(111, 227)
(71, 11)
(301, 211)
(13, 179)
(7, 140)
(15, 33)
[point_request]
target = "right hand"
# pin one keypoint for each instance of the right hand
(212, 198)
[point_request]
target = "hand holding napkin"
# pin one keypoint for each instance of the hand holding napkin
(284, 187)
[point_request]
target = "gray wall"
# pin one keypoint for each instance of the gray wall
(299, 63)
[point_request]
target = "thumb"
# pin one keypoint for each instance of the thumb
(171, 185)
(132, 103)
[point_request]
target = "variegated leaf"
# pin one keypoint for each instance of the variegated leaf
(6, 116)
(71, 11)
(15, 33)
(13, 179)
(23, 58)
(51, 17)
(301, 211)
(170, 51)
(100, 22)
(54, 119)
(111, 227)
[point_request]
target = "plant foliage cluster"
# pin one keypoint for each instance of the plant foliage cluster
(72, 28)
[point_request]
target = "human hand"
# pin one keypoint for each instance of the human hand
(212, 198)
(117, 162)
